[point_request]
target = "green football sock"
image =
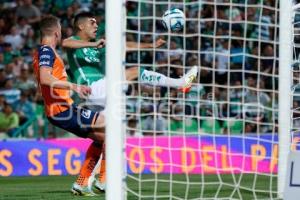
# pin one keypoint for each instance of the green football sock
(158, 79)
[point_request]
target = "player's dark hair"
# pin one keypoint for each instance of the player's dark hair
(79, 18)
(48, 24)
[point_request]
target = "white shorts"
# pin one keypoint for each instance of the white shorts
(97, 98)
(98, 94)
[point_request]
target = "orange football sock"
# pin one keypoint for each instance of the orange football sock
(102, 173)
(91, 158)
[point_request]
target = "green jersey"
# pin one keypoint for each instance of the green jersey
(86, 64)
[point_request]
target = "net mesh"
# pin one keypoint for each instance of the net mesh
(220, 140)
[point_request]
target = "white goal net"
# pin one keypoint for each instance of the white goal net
(220, 140)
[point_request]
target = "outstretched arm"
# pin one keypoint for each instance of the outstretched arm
(135, 45)
(76, 44)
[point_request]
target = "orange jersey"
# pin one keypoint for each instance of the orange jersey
(56, 100)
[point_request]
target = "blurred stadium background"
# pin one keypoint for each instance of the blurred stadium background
(19, 37)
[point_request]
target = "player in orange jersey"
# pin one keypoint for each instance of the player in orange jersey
(52, 79)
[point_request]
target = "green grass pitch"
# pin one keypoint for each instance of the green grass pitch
(58, 187)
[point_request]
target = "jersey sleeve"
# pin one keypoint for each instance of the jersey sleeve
(46, 56)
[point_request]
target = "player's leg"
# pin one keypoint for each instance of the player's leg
(85, 179)
(100, 168)
(81, 184)
(97, 101)
(100, 184)
(84, 123)
(87, 124)
(98, 88)
(158, 79)
(80, 187)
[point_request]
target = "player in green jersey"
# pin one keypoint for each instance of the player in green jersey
(87, 64)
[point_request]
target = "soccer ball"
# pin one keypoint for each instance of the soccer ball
(173, 20)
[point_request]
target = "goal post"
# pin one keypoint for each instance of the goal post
(115, 41)
(285, 85)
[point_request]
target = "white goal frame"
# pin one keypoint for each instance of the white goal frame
(285, 85)
(115, 41)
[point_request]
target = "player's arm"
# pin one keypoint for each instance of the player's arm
(46, 78)
(76, 44)
(134, 45)
(46, 62)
